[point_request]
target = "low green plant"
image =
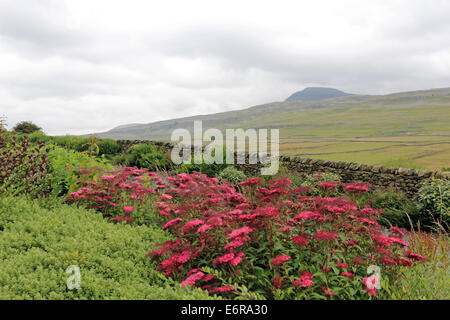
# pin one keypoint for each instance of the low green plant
(434, 202)
(313, 179)
(210, 169)
(146, 155)
(429, 280)
(23, 168)
(233, 175)
(37, 245)
(69, 142)
(69, 166)
(398, 209)
(296, 177)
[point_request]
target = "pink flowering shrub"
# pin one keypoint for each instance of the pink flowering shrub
(127, 194)
(277, 241)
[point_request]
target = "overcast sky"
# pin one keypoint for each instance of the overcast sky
(86, 66)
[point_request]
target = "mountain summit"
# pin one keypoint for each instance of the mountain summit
(316, 93)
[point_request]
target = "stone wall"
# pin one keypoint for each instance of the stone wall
(406, 180)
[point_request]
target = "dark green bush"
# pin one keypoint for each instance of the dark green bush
(211, 170)
(434, 201)
(69, 142)
(38, 136)
(108, 147)
(398, 209)
(37, 246)
(25, 127)
(146, 155)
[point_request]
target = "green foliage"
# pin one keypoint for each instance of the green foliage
(430, 280)
(25, 127)
(92, 146)
(69, 166)
(146, 155)
(210, 169)
(403, 163)
(434, 200)
(69, 142)
(296, 177)
(232, 175)
(306, 180)
(37, 245)
(398, 209)
(274, 240)
(3, 124)
(313, 179)
(38, 136)
(108, 147)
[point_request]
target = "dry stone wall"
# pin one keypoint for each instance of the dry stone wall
(408, 181)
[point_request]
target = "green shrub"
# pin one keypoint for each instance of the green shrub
(232, 175)
(300, 179)
(430, 280)
(313, 179)
(37, 246)
(108, 146)
(295, 176)
(121, 159)
(69, 142)
(398, 209)
(25, 127)
(147, 155)
(66, 165)
(434, 201)
(211, 170)
(38, 136)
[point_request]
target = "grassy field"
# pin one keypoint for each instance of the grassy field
(415, 137)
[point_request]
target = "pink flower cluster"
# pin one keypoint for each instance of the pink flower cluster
(270, 229)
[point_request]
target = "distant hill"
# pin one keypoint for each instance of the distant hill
(374, 129)
(292, 114)
(316, 93)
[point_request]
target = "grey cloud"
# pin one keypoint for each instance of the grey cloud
(93, 79)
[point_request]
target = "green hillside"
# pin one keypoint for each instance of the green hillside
(409, 129)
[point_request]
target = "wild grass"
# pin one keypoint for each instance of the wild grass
(431, 279)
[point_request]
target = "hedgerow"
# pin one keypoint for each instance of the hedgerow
(38, 244)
